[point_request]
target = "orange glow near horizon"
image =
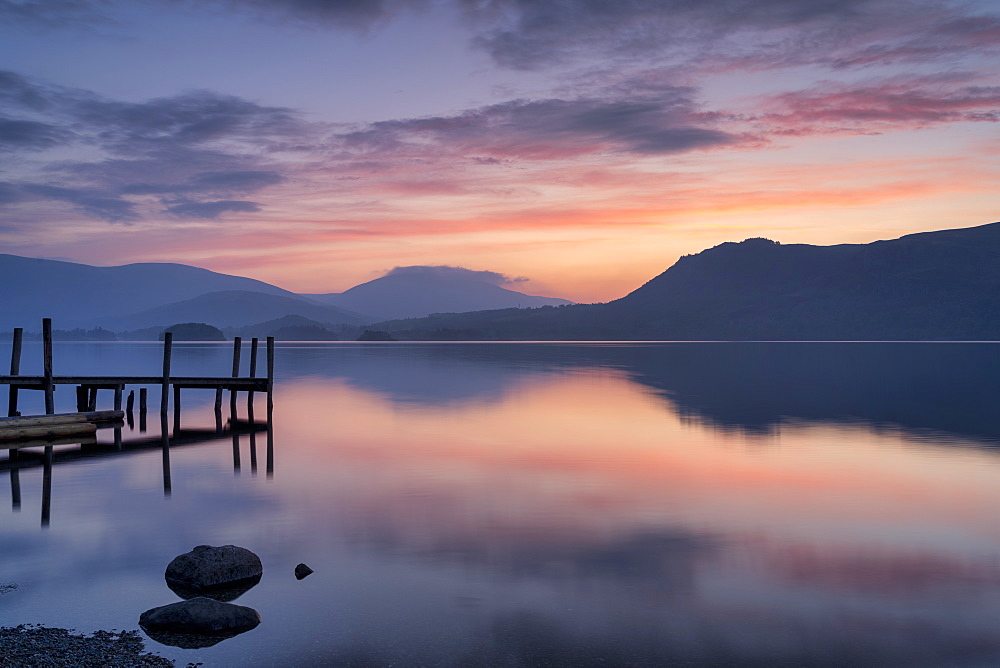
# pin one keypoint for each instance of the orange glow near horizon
(624, 454)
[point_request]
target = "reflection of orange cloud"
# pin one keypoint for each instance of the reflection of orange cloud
(875, 570)
(592, 441)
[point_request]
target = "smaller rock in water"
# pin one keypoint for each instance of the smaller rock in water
(203, 616)
(301, 571)
(207, 567)
(7, 588)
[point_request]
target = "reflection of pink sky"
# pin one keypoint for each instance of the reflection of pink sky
(590, 456)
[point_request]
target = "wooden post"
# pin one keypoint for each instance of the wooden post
(47, 365)
(92, 401)
(237, 344)
(81, 398)
(130, 401)
(142, 399)
(119, 389)
(168, 340)
(253, 374)
(15, 370)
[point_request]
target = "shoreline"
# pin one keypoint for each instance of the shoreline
(36, 645)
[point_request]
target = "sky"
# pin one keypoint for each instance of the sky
(577, 147)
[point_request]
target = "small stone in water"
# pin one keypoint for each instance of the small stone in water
(301, 571)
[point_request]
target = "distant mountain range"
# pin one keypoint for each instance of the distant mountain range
(148, 295)
(942, 285)
(236, 308)
(414, 292)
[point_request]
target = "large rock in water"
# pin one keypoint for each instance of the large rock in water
(207, 569)
(199, 617)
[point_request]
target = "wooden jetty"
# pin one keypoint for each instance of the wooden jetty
(87, 386)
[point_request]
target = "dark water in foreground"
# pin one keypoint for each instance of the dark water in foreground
(548, 504)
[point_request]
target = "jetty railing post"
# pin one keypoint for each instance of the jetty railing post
(168, 340)
(253, 374)
(253, 356)
(47, 365)
(237, 345)
(15, 370)
(130, 401)
(119, 390)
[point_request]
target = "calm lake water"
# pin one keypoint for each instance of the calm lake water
(545, 504)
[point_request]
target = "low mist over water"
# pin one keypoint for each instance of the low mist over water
(542, 504)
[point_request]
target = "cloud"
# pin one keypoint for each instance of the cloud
(341, 13)
(16, 91)
(91, 202)
(900, 102)
(225, 181)
(531, 35)
(51, 13)
(197, 142)
(552, 128)
(211, 210)
(31, 135)
(460, 273)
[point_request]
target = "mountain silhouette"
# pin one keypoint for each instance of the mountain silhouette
(414, 292)
(141, 295)
(233, 308)
(942, 285)
(79, 295)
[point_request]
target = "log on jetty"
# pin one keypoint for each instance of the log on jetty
(36, 427)
(22, 433)
(61, 418)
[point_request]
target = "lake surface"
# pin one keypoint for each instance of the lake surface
(544, 504)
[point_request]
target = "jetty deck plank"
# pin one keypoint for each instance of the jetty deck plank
(111, 382)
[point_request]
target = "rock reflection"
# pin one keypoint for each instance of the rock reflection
(224, 594)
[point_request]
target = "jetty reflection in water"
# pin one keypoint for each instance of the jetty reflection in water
(44, 454)
(573, 504)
